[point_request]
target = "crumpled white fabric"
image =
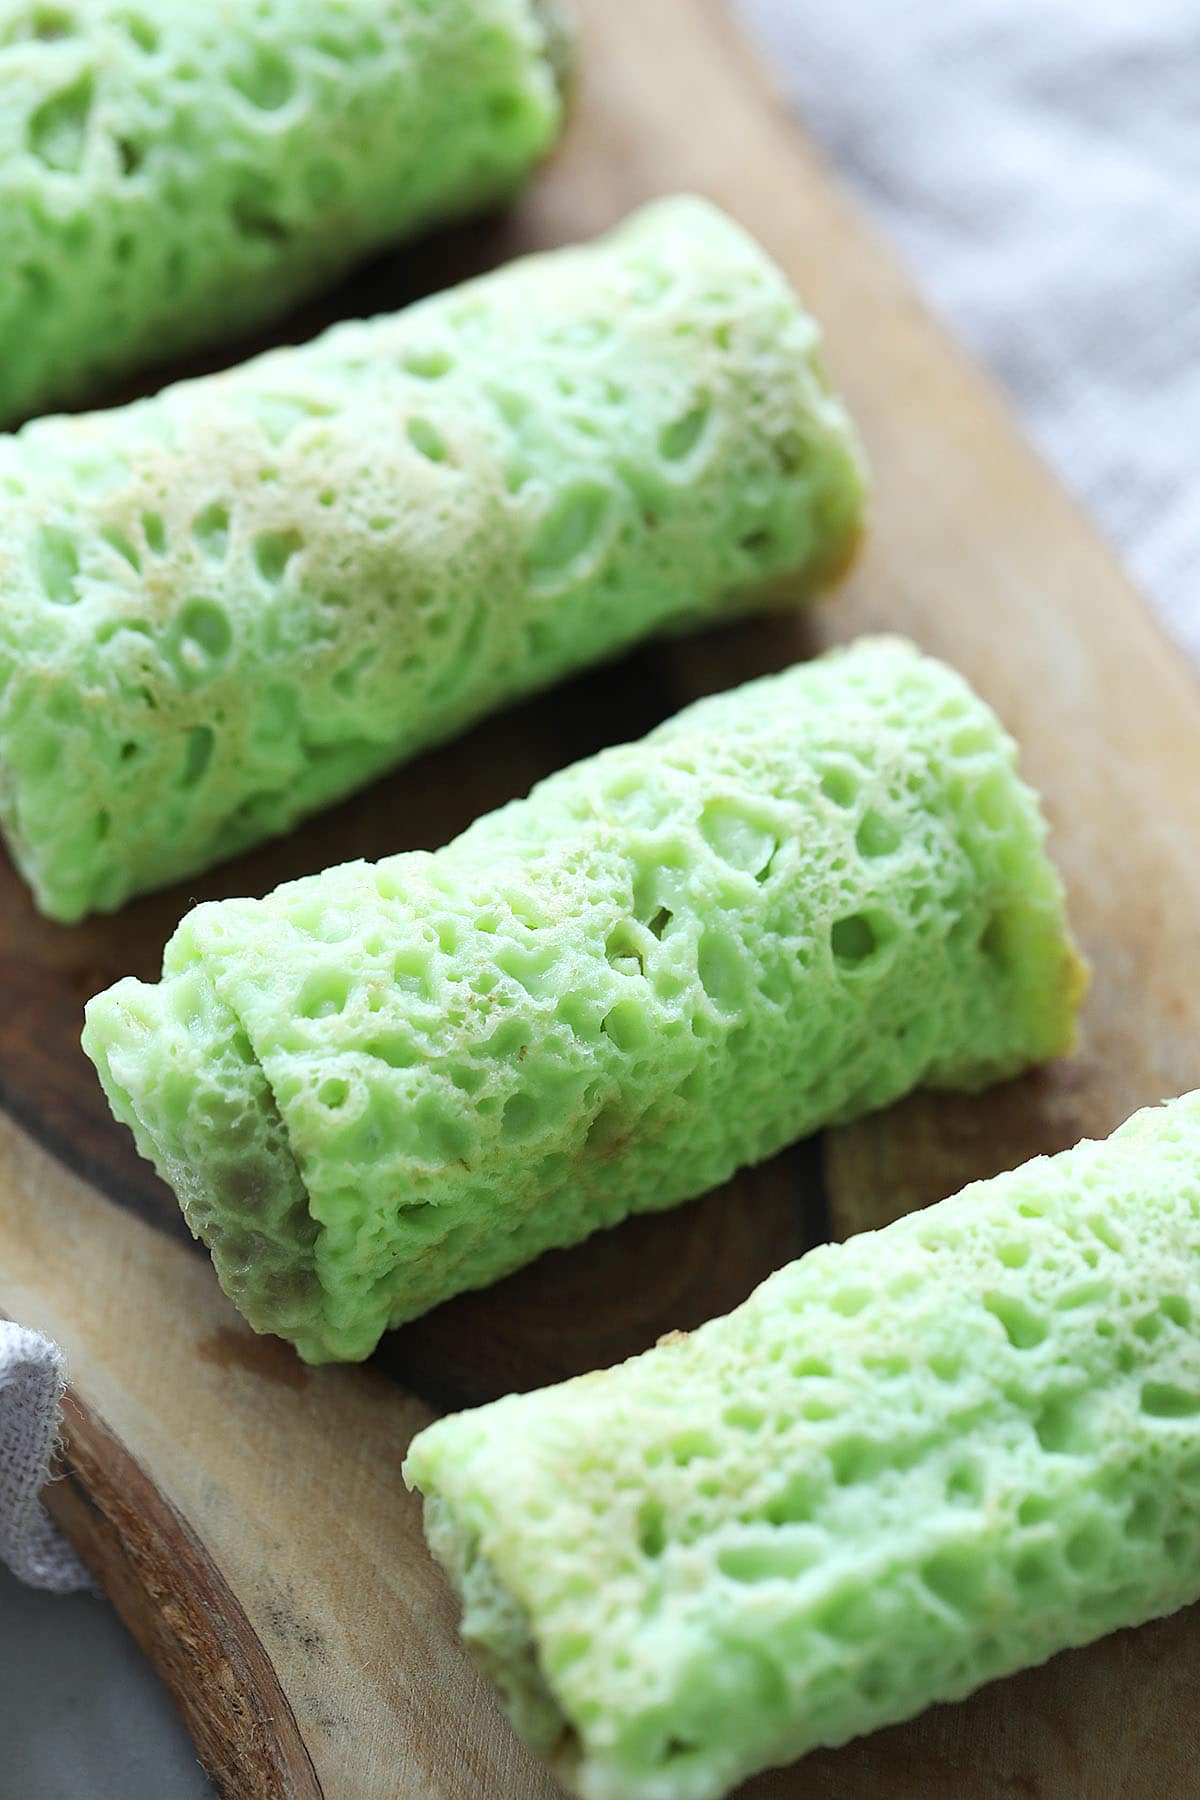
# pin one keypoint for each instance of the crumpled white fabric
(1037, 163)
(31, 1387)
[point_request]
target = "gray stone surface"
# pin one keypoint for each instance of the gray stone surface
(82, 1715)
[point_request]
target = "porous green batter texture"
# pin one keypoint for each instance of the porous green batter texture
(791, 903)
(230, 604)
(907, 1464)
(174, 172)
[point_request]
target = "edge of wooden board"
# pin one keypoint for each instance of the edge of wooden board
(255, 1508)
(182, 1613)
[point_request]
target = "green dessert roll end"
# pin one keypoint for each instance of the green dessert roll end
(201, 1109)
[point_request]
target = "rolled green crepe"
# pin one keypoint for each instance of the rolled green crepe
(907, 1464)
(173, 173)
(789, 904)
(228, 605)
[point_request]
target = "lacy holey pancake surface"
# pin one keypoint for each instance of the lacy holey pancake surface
(174, 174)
(906, 1464)
(237, 601)
(789, 905)
(248, 1513)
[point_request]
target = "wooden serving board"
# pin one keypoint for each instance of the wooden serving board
(247, 1514)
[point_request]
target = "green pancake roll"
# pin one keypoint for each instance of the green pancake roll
(792, 903)
(174, 173)
(905, 1465)
(227, 606)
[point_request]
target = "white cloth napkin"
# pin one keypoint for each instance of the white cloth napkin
(31, 1387)
(1037, 163)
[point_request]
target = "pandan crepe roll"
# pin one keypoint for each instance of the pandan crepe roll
(791, 903)
(228, 605)
(906, 1464)
(173, 173)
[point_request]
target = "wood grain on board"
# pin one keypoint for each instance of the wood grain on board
(246, 1513)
